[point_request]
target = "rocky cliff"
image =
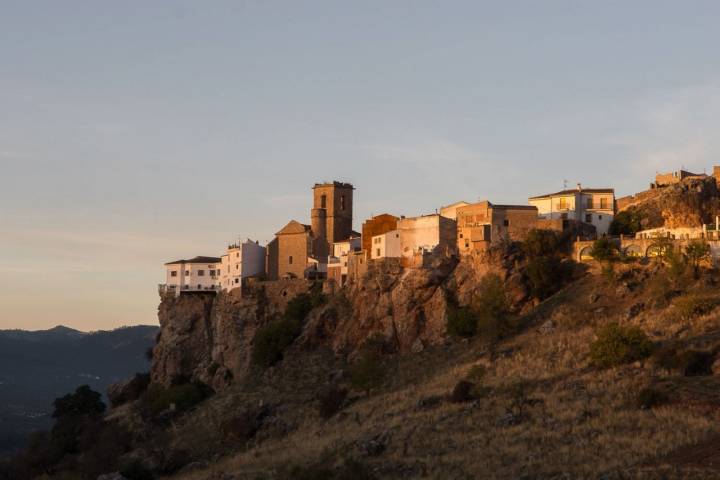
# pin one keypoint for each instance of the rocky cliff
(209, 338)
(690, 203)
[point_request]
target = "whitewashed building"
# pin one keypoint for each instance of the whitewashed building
(242, 260)
(337, 266)
(386, 245)
(595, 206)
(197, 274)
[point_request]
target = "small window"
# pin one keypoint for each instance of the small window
(461, 235)
(377, 252)
(589, 202)
(323, 201)
(342, 202)
(201, 273)
(290, 259)
(588, 218)
(237, 267)
(173, 273)
(237, 280)
(603, 203)
(187, 273)
(599, 217)
(237, 254)
(467, 243)
(506, 223)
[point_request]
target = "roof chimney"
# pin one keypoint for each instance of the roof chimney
(579, 187)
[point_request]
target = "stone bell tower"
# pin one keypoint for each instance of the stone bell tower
(332, 211)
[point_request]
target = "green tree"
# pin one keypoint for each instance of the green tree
(84, 401)
(697, 251)
(542, 243)
(544, 276)
(603, 249)
(368, 372)
(492, 307)
(628, 222)
(462, 321)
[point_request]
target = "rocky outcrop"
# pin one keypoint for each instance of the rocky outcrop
(691, 203)
(209, 338)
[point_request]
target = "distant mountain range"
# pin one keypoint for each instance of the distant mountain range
(38, 366)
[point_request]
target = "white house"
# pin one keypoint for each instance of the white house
(337, 266)
(595, 206)
(386, 245)
(242, 260)
(194, 275)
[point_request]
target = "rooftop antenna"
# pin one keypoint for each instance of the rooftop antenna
(565, 182)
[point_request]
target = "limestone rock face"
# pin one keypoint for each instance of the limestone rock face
(690, 203)
(210, 338)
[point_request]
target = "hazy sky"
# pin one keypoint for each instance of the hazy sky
(134, 133)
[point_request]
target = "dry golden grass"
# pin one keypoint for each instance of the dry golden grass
(581, 422)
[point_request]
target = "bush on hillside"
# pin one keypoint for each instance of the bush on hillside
(368, 372)
(462, 321)
(651, 398)
(272, 339)
(492, 308)
(331, 401)
(697, 251)
(694, 304)
(617, 344)
(686, 362)
(158, 399)
(132, 390)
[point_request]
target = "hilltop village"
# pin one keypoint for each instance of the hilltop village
(329, 249)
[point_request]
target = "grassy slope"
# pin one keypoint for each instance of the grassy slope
(582, 422)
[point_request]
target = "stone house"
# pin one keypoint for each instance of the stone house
(482, 223)
(421, 235)
(450, 211)
(594, 206)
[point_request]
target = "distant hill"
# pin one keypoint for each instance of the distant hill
(38, 366)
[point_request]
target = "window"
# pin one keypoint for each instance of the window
(323, 201)
(187, 273)
(588, 218)
(237, 280)
(599, 217)
(506, 223)
(237, 254)
(563, 204)
(467, 243)
(603, 203)
(290, 260)
(589, 202)
(201, 273)
(342, 202)
(173, 273)
(461, 235)
(237, 267)
(377, 252)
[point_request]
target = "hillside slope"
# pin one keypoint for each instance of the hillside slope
(542, 410)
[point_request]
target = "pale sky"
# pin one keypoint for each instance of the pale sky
(134, 133)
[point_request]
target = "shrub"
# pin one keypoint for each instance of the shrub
(462, 392)
(692, 305)
(659, 289)
(492, 308)
(462, 321)
(135, 469)
(158, 399)
(651, 398)
(603, 249)
(616, 345)
(368, 372)
(132, 391)
(272, 339)
(687, 362)
(331, 401)
(628, 222)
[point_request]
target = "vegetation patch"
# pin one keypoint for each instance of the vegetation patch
(694, 304)
(331, 401)
(650, 398)
(616, 345)
(178, 398)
